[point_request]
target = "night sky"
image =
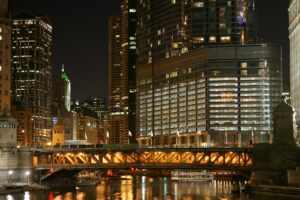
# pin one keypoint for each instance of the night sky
(80, 37)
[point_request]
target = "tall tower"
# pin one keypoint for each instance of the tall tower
(61, 104)
(115, 93)
(5, 58)
(122, 86)
(128, 65)
(31, 71)
(170, 28)
(63, 90)
(294, 35)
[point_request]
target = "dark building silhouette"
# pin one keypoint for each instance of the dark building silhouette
(284, 122)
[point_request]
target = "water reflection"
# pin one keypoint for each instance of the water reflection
(137, 188)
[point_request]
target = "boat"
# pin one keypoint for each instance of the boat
(191, 176)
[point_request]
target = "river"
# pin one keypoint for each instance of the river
(139, 188)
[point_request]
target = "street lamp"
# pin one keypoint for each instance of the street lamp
(27, 173)
(199, 134)
(10, 172)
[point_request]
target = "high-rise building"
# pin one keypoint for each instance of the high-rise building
(201, 75)
(115, 111)
(170, 28)
(61, 103)
(31, 71)
(225, 92)
(128, 70)
(63, 90)
(5, 58)
(294, 35)
(122, 92)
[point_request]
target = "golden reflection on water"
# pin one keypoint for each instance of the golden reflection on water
(143, 188)
(140, 188)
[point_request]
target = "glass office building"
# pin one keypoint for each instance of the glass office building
(226, 92)
(31, 71)
(173, 27)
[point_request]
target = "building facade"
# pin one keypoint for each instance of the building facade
(23, 116)
(202, 76)
(115, 111)
(225, 92)
(87, 124)
(170, 28)
(31, 71)
(98, 105)
(294, 35)
(5, 58)
(61, 104)
(122, 67)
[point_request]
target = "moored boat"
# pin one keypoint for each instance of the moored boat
(191, 176)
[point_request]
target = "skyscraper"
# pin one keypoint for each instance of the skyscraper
(61, 104)
(170, 28)
(128, 70)
(294, 35)
(5, 58)
(116, 113)
(31, 70)
(122, 84)
(64, 90)
(202, 76)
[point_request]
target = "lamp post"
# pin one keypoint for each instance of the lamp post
(10, 172)
(151, 138)
(27, 173)
(199, 134)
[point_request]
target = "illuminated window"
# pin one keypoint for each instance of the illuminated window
(225, 39)
(173, 74)
(212, 39)
(0, 37)
(222, 26)
(175, 45)
(173, 1)
(198, 4)
(198, 40)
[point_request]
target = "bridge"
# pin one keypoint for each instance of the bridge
(80, 158)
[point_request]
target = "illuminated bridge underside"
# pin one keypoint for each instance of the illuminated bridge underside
(148, 158)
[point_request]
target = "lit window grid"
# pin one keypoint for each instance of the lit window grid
(184, 106)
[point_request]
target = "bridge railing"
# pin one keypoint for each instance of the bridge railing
(130, 146)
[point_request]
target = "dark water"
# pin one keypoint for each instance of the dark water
(140, 188)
